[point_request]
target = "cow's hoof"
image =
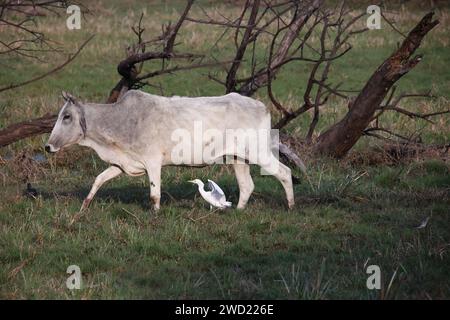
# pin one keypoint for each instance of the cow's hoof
(291, 205)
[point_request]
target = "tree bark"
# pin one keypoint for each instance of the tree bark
(27, 129)
(342, 136)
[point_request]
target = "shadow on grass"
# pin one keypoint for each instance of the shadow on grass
(170, 194)
(128, 194)
(272, 195)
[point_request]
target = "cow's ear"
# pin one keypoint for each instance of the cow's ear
(83, 123)
(68, 97)
(82, 119)
(65, 95)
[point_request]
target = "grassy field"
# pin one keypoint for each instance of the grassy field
(348, 215)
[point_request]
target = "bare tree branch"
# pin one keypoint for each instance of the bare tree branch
(231, 76)
(300, 18)
(341, 137)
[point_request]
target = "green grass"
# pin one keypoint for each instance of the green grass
(346, 216)
(317, 250)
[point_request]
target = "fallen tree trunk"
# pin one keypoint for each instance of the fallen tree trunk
(27, 129)
(342, 136)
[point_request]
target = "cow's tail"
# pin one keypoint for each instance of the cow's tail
(291, 157)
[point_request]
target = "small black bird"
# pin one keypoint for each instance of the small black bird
(31, 192)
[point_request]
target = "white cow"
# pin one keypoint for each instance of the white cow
(136, 136)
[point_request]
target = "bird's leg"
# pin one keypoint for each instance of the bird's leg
(106, 175)
(210, 207)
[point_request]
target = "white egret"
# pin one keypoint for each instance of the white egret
(215, 197)
(424, 223)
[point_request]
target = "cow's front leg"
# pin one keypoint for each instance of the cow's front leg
(106, 175)
(154, 175)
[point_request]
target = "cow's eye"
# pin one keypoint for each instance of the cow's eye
(66, 117)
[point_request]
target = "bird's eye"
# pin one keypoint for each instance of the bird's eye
(66, 117)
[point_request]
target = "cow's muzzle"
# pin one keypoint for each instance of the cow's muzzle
(50, 148)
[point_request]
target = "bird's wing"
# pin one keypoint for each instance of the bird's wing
(423, 224)
(215, 189)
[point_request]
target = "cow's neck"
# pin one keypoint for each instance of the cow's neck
(100, 132)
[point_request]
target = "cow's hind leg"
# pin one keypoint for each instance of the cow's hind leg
(245, 183)
(106, 175)
(284, 175)
(154, 175)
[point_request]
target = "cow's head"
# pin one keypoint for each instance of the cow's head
(70, 127)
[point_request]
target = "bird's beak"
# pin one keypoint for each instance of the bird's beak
(191, 181)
